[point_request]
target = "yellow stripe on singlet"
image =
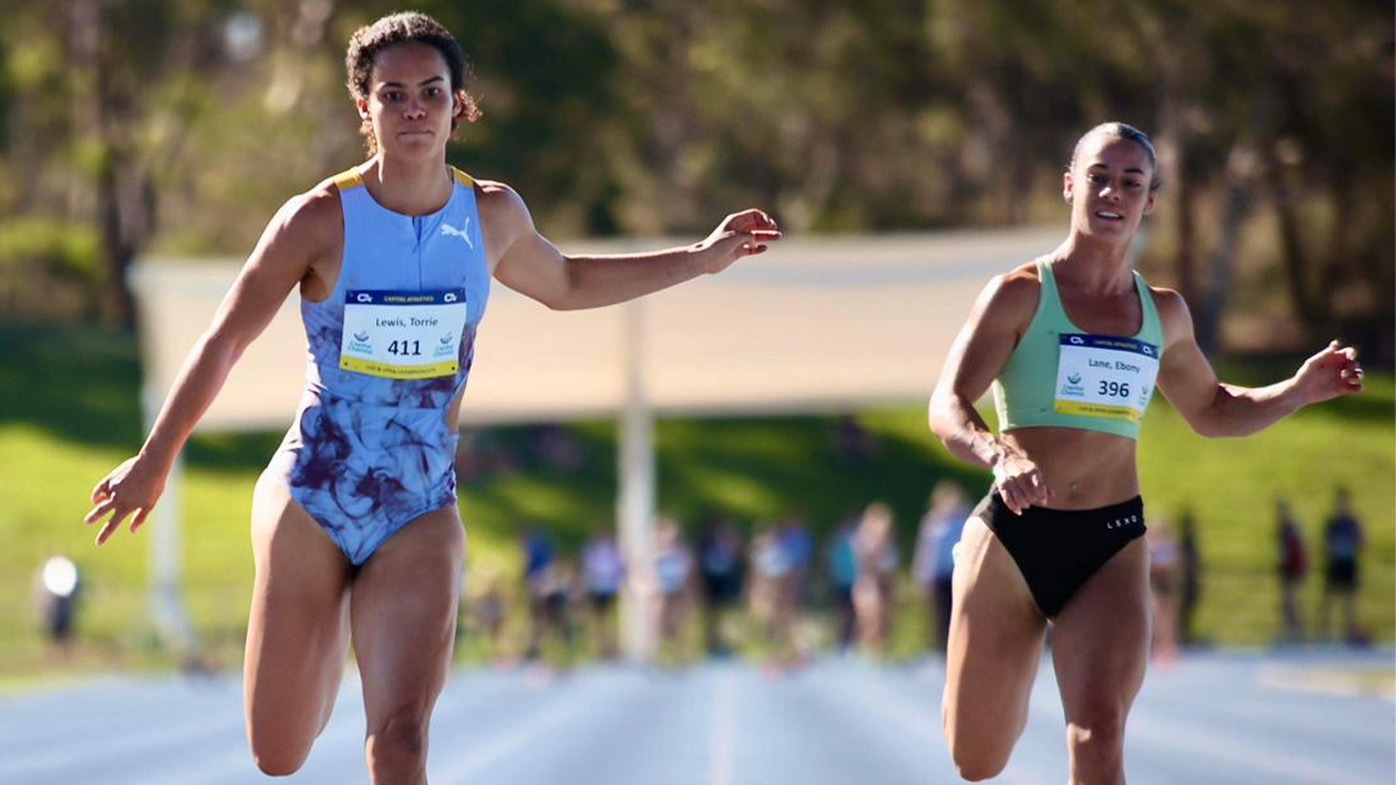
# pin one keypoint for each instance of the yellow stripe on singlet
(349, 178)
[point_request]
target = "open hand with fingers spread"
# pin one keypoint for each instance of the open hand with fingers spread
(740, 234)
(1331, 373)
(131, 489)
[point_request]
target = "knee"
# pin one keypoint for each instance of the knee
(978, 765)
(1097, 737)
(976, 759)
(278, 760)
(399, 743)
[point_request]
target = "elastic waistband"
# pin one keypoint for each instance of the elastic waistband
(1125, 510)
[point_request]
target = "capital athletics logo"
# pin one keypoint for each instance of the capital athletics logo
(1074, 379)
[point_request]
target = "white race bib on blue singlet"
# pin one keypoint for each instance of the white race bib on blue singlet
(403, 335)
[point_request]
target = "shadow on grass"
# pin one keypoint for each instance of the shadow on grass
(82, 384)
(752, 470)
(75, 382)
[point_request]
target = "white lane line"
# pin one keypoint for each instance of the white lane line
(723, 736)
(1309, 718)
(1175, 737)
(346, 729)
(117, 740)
(238, 760)
(920, 721)
(488, 749)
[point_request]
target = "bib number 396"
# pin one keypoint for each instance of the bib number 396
(1113, 389)
(1105, 376)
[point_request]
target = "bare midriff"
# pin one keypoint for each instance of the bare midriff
(1082, 469)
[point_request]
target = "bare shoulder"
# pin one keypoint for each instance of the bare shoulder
(1172, 311)
(504, 217)
(1013, 296)
(498, 201)
(310, 222)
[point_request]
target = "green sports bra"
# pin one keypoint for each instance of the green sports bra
(1064, 377)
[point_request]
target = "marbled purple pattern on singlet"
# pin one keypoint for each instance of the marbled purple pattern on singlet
(369, 454)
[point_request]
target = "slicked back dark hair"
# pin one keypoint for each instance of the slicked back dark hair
(404, 27)
(1123, 131)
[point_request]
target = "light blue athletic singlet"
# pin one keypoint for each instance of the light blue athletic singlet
(390, 349)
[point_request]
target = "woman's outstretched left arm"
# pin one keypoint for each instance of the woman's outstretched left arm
(1216, 409)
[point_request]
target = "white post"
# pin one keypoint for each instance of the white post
(166, 554)
(636, 496)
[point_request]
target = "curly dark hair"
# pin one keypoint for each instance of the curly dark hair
(405, 27)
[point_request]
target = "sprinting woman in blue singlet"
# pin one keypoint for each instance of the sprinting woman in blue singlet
(1074, 344)
(354, 522)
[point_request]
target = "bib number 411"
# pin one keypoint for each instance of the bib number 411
(405, 348)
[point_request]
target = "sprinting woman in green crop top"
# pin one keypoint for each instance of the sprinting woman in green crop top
(1074, 344)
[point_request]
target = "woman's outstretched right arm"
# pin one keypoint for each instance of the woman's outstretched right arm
(304, 229)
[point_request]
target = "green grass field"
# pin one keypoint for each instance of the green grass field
(69, 413)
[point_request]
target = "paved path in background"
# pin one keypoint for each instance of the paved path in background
(1214, 719)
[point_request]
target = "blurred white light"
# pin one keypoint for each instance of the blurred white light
(242, 36)
(60, 576)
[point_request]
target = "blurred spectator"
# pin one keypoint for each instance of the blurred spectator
(933, 566)
(1190, 568)
(1342, 544)
(557, 448)
(1293, 566)
(539, 582)
(770, 597)
(56, 594)
(852, 443)
(720, 555)
(487, 610)
(483, 454)
(875, 548)
(603, 574)
(843, 572)
(795, 537)
(559, 588)
(674, 577)
(1164, 568)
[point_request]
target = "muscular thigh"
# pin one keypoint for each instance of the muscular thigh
(297, 634)
(1100, 645)
(995, 644)
(404, 614)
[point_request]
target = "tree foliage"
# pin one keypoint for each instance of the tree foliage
(180, 126)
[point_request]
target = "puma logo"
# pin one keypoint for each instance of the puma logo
(464, 234)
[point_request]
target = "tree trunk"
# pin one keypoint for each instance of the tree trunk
(1240, 176)
(1292, 242)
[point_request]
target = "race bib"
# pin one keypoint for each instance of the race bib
(1103, 376)
(403, 335)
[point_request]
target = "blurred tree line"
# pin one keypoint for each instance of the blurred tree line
(152, 127)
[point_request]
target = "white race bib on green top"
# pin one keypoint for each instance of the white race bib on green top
(1105, 376)
(403, 335)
